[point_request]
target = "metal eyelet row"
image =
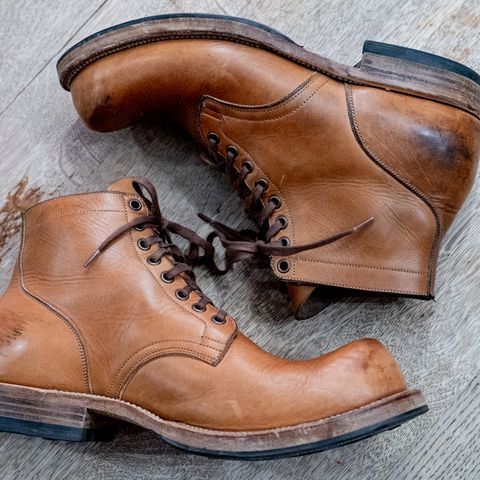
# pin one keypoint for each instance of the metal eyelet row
(183, 296)
(283, 266)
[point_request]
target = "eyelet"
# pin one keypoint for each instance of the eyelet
(232, 150)
(181, 294)
(135, 204)
(262, 183)
(198, 308)
(283, 221)
(166, 279)
(248, 165)
(142, 245)
(285, 241)
(218, 320)
(139, 228)
(276, 201)
(283, 266)
(213, 137)
(151, 261)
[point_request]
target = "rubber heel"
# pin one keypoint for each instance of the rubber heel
(414, 70)
(43, 415)
(382, 54)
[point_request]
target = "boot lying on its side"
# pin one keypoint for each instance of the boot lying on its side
(103, 320)
(314, 147)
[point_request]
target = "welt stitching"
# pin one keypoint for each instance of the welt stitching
(73, 72)
(69, 323)
(284, 101)
(284, 115)
(205, 430)
(368, 150)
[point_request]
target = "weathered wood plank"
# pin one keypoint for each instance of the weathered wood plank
(437, 343)
(33, 33)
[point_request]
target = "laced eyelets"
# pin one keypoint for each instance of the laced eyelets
(135, 204)
(275, 200)
(181, 294)
(165, 278)
(285, 241)
(248, 166)
(152, 261)
(232, 151)
(143, 245)
(283, 221)
(283, 266)
(261, 182)
(198, 308)
(213, 138)
(218, 320)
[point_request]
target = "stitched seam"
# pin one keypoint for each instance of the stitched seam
(291, 223)
(209, 431)
(420, 194)
(278, 104)
(284, 115)
(119, 371)
(69, 323)
(413, 272)
(130, 375)
(83, 194)
(350, 286)
(73, 212)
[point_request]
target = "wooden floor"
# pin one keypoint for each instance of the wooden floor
(46, 151)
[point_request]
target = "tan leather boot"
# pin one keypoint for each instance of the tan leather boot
(103, 320)
(315, 148)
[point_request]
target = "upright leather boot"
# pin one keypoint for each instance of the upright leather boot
(103, 320)
(318, 150)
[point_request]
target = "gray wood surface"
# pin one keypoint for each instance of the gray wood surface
(45, 151)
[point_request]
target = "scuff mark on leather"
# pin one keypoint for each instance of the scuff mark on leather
(17, 201)
(11, 332)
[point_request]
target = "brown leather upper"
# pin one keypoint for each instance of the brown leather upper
(334, 154)
(117, 329)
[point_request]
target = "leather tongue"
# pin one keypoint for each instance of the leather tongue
(123, 185)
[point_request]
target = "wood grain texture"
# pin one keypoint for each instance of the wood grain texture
(437, 343)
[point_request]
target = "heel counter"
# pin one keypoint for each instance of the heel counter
(36, 348)
(432, 146)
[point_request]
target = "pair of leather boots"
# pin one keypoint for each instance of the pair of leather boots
(353, 175)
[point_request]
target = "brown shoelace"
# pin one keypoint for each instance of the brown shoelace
(257, 245)
(162, 230)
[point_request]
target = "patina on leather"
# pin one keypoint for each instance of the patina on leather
(333, 153)
(116, 325)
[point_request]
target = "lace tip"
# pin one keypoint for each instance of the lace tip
(91, 259)
(365, 223)
(205, 218)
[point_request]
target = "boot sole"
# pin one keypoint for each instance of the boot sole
(81, 417)
(383, 66)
